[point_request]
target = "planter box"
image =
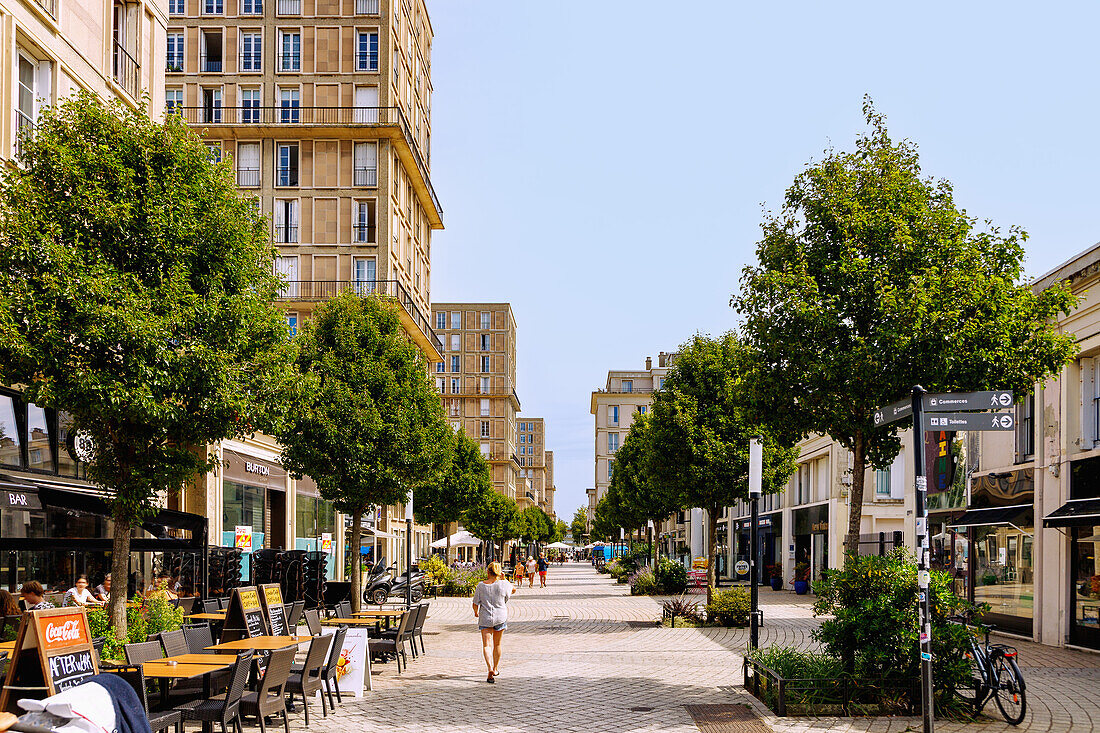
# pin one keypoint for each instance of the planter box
(842, 696)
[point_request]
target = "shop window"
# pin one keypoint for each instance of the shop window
(11, 445)
(39, 444)
(1025, 429)
(243, 505)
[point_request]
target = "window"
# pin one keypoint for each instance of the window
(455, 385)
(441, 385)
(456, 363)
(882, 482)
(485, 323)
(441, 366)
(292, 324)
(290, 51)
(250, 111)
(641, 409)
(366, 166)
(211, 57)
(11, 447)
(661, 383)
(484, 385)
(364, 221)
(248, 164)
(175, 51)
(456, 319)
(286, 221)
(363, 271)
(441, 323)
(177, 7)
(484, 342)
(610, 469)
(484, 407)
(289, 106)
(173, 100)
(1094, 398)
(251, 51)
(612, 442)
(1025, 428)
(485, 428)
(612, 414)
(290, 7)
(213, 7)
(286, 164)
(251, 7)
(215, 151)
(287, 270)
(454, 407)
(485, 363)
(628, 385)
(366, 52)
(366, 7)
(212, 105)
(456, 342)
(485, 450)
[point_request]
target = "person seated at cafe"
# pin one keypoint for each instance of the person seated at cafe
(79, 595)
(102, 591)
(162, 588)
(34, 596)
(9, 607)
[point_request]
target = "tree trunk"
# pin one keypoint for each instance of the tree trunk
(356, 560)
(855, 498)
(120, 577)
(712, 550)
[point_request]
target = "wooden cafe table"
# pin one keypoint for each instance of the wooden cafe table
(259, 643)
(364, 618)
(212, 616)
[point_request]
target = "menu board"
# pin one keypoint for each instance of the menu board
(245, 615)
(272, 597)
(53, 652)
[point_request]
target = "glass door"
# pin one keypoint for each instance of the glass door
(1085, 573)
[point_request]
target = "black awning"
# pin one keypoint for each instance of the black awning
(1014, 515)
(1074, 513)
(82, 501)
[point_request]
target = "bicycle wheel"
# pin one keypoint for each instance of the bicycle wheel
(970, 695)
(1009, 692)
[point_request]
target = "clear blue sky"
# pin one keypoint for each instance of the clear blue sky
(603, 165)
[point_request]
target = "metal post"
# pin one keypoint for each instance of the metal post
(756, 471)
(652, 544)
(921, 481)
(409, 552)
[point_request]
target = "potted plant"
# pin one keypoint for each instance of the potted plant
(775, 576)
(801, 581)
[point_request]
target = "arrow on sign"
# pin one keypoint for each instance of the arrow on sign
(892, 413)
(970, 421)
(998, 400)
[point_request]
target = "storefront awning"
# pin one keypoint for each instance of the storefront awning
(1010, 515)
(1074, 513)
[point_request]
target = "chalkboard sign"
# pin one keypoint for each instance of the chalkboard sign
(245, 615)
(53, 652)
(272, 597)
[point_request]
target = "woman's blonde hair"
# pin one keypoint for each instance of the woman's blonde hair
(495, 570)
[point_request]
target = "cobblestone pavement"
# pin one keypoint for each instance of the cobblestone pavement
(573, 662)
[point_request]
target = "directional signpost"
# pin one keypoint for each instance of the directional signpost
(954, 411)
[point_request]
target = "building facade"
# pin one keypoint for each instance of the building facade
(547, 501)
(532, 459)
(476, 378)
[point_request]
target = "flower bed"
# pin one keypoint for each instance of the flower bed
(830, 696)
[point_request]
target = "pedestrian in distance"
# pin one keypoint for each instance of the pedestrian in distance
(517, 572)
(543, 566)
(491, 610)
(532, 568)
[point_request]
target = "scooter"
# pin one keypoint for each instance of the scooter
(380, 588)
(418, 581)
(378, 583)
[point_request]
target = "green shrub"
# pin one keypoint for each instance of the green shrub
(729, 607)
(989, 579)
(873, 629)
(152, 616)
(671, 577)
(437, 570)
(682, 608)
(643, 583)
(792, 663)
(462, 582)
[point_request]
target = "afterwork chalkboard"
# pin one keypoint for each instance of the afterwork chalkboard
(53, 652)
(272, 597)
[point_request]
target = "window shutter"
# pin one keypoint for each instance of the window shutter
(897, 477)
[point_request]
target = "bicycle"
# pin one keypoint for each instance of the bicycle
(995, 674)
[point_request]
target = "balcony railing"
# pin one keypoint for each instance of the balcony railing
(50, 6)
(290, 7)
(290, 62)
(366, 61)
(127, 70)
(210, 64)
(251, 61)
(24, 131)
(285, 234)
(316, 116)
(364, 233)
(366, 7)
(315, 290)
(366, 176)
(620, 390)
(174, 65)
(248, 177)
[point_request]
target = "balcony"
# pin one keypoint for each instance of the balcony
(366, 176)
(210, 64)
(620, 390)
(127, 71)
(366, 7)
(347, 122)
(174, 64)
(416, 323)
(248, 177)
(363, 234)
(285, 234)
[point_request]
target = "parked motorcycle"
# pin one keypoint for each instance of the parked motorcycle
(381, 586)
(378, 582)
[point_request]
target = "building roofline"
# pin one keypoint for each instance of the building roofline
(1068, 269)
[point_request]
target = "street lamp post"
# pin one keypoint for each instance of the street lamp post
(409, 552)
(756, 473)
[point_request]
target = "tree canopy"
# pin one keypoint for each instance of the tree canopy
(462, 484)
(372, 428)
(637, 496)
(537, 526)
(871, 280)
(137, 297)
(700, 431)
(495, 519)
(579, 525)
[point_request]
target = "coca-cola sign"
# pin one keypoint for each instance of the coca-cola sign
(63, 630)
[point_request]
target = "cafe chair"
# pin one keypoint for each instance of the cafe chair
(223, 603)
(198, 637)
(343, 609)
(313, 621)
(391, 643)
(269, 699)
(97, 646)
(188, 605)
(294, 614)
(160, 720)
(225, 708)
(328, 674)
(143, 651)
(418, 627)
(404, 633)
(211, 605)
(309, 680)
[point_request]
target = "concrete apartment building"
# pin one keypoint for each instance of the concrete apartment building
(537, 463)
(547, 502)
(476, 378)
(626, 393)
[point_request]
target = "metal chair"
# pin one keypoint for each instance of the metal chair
(223, 603)
(161, 720)
(224, 709)
(343, 609)
(313, 621)
(328, 674)
(418, 627)
(295, 614)
(143, 651)
(309, 680)
(269, 699)
(211, 605)
(390, 644)
(405, 636)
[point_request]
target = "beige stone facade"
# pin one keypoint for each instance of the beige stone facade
(536, 463)
(549, 487)
(476, 379)
(54, 48)
(323, 108)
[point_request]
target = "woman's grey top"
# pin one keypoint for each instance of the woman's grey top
(491, 600)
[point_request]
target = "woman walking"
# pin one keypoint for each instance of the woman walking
(491, 610)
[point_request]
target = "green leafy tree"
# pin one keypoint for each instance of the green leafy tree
(373, 426)
(137, 296)
(560, 529)
(579, 525)
(700, 431)
(604, 524)
(464, 483)
(638, 495)
(537, 527)
(870, 280)
(495, 519)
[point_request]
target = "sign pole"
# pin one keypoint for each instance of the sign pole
(409, 552)
(921, 481)
(756, 472)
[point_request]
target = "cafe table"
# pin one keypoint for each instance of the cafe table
(202, 659)
(213, 616)
(259, 643)
(161, 669)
